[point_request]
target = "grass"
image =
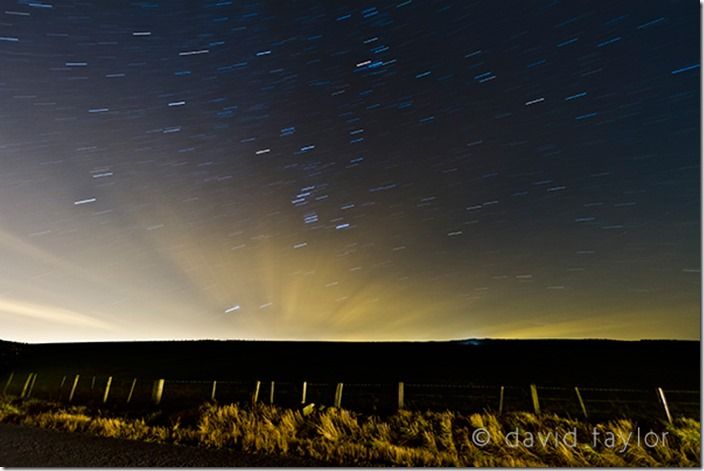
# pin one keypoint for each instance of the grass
(408, 438)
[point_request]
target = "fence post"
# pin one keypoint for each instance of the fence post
(338, 395)
(255, 395)
(73, 388)
(129, 395)
(158, 391)
(400, 395)
(534, 396)
(271, 393)
(31, 385)
(501, 400)
(7, 384)
(212, 391)
(60, 394)
(581, 402)
(92, 383)
(107, 389)
(303, 393)
(26, 385)
(661, 395)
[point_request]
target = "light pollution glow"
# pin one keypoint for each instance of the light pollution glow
(182, 283)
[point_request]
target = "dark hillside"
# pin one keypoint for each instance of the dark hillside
(602, 363)
(9, 354)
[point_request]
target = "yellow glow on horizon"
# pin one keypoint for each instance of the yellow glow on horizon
(175, 281)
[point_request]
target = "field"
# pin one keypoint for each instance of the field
(374, 403)
(614, 379)
(598, 363)
(341, 437)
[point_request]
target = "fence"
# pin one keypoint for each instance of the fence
(578, 402)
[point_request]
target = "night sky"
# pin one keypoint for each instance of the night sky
(349, 170)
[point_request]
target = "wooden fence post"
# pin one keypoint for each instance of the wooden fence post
(129, 395)
(255, 395)
(501, 400)
(303, 393)
(534, 396)
(400, 395)
(158, 390)
(73, 388)
(31, 385)
(107, 389)
(338, 395)
(581, 402)
(60, 394)
(212, 391)
(7, 384)
(271, 393)
(661, 395)
(26, 385)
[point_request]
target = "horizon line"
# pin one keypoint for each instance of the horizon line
(454, 340)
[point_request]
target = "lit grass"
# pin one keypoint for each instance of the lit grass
(404, 439)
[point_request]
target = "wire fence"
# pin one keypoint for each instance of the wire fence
(577, 402)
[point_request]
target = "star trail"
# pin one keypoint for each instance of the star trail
(403, 170)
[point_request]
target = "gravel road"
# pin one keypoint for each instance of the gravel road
(22, 446)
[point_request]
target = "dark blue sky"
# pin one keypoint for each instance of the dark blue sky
(348, 170)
